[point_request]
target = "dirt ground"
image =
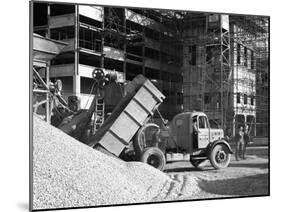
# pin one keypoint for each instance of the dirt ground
(247, 177)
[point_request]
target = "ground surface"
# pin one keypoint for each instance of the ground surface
(67, 173)
(247, 177)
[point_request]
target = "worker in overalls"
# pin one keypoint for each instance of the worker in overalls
(195, 132)
(246, 139)
(240, 143)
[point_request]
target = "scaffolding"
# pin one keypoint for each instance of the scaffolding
(207, 64)
(192, 57)
(145, 38)
(219, 59)
(252, 33)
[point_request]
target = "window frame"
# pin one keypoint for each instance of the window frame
(205, 121)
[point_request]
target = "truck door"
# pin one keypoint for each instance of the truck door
(203, 132)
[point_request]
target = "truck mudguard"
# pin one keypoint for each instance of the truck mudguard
(213, 144)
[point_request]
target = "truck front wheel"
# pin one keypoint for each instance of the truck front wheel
(154, 157)
(220, 156)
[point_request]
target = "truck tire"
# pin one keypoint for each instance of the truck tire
(154, 157)
(144, 138)
(220, 156)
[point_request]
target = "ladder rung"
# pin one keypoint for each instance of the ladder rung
(100, 113)
(99, 107)
(100, 101)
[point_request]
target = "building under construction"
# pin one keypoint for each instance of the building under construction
(216, 63)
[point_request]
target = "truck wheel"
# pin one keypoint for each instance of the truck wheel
(197, 162)
(220, 156)
(154, 157)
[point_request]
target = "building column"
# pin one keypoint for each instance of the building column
(125, 45)
(233, 125)
(76, 77)
(76, 85)
(102, 40)
(255, 127)
(47, 77)
(48, 21)
(47, 70)
(143, 51)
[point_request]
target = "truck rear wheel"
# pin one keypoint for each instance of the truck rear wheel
(220, 156)
(154, 157)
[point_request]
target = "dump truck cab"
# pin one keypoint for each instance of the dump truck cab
(192, 131)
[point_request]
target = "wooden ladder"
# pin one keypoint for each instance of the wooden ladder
(99, 114)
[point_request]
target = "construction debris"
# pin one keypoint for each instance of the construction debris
(67, 173)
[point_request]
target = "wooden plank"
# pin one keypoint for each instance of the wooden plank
(62, 20)
(62, 70)
(93, 12)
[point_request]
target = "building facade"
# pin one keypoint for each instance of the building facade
(219, 71)
(128, 41)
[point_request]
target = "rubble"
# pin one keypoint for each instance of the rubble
(67, 173)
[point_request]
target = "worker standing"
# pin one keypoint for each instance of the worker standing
(240, 143)
(195, 132)
(247, 140)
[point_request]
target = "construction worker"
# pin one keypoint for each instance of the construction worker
(240, 143)
(195, 132)
(247, 140)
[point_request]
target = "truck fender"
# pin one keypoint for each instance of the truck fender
(137, 142)
(213, 144)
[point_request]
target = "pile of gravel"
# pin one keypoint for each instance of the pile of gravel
(67, 173)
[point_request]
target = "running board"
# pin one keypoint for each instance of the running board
(172, 157)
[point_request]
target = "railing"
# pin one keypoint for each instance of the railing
(134, 57)
(94, 45)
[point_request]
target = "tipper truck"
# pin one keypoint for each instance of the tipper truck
(129, 132)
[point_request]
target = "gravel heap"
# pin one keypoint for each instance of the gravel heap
(67, 173)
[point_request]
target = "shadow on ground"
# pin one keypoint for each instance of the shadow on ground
(244, 186)
(249, 165)
(188, 169)
(257, 151)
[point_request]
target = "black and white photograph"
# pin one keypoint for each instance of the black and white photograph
(134, 105)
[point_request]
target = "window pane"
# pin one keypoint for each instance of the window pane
(206, 122)
(245, 99)
(202, 122)
(238, 97)
(238, 53)
(252, 100)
